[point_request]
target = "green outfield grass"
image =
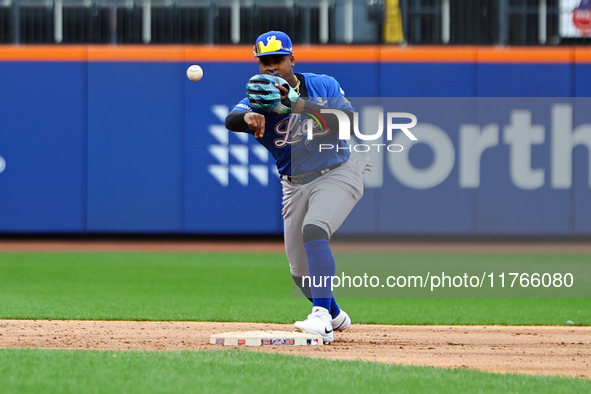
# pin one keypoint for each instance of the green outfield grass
(48, 371)
(252, 287)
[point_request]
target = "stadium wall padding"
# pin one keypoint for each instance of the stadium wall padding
(116, 139)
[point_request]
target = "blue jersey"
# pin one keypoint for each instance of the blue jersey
(286, 134)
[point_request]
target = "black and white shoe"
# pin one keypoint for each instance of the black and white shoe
(341, 322)
(319, 322)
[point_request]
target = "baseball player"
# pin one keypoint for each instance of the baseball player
(320, 186)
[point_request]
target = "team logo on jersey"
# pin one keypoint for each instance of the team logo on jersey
(295, 127)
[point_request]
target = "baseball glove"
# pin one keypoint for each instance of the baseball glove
(263, 95)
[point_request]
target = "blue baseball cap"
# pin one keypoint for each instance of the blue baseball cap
(273, 43)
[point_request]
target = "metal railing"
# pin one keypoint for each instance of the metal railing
(439, 22)
(485, 22)
(175, 21)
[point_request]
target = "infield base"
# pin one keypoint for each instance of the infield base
(266, 338)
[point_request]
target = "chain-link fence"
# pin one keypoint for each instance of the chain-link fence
(482, 22)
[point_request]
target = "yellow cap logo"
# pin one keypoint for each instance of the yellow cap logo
(272, 45)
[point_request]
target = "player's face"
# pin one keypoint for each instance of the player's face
(282, 64)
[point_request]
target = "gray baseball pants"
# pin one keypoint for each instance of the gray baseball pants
(325, 202)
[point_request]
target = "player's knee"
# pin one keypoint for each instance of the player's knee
(312, 232)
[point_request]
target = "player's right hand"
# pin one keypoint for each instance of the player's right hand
(290, 98)
(255, 122)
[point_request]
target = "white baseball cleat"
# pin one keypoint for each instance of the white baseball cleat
(317, 323)
(341, 322)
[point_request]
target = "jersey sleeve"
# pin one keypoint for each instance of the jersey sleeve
(236, 122)
(336, 95)
(243, 105)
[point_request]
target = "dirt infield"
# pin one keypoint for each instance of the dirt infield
(254, 245)
(532, 350)
(539, 350)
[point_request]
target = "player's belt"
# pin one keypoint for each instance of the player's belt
(309, 177)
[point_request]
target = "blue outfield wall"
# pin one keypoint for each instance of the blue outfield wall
(231, 183)
(43, 147)
(582, 156)
(135, 147)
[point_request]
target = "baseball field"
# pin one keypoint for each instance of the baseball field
(118, 316)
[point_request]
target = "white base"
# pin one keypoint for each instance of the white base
(266, 338)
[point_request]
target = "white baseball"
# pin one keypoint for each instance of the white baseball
(195, 73)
